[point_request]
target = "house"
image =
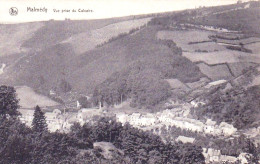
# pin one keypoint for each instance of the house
(210, 122)
(52, 92)
(196, 104)
(122, 117)
(147, 120)
(211, 155)
(50, 116)
(184, 139)
(26, 116)
(57, 111)
(243, 158)
(2, 68)
(226, 158)
(86, 113)
(227, 129)
(53, 119)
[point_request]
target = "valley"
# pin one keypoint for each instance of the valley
(188, 77)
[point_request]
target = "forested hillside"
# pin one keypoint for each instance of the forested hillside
(151, 61)
(238, 106)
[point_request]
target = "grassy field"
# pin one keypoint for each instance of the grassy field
(255, 47)
(206, 47)
(217, 72)
(86, 41)
(53, 32)
(12, 37)
(238, 41)
(203, 81)
(237, 68)
(256, 81)
(246, 20)
(227, 56)
(177, 84)
(184, 39)
(29, 98)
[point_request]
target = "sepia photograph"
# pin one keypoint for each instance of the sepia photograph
(130, 82)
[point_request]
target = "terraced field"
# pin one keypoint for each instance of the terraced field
(237, 68)
(184, 38)
(238, 41)
(216, 72)
(213, 56)
(206, 47)
(255, 47)
(227, 56)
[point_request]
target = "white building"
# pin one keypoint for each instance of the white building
(184, 139)
(227, 129)
(86, 113)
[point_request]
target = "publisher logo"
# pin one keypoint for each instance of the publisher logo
(13, 11)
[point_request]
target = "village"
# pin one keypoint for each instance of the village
(176, 114)
(176, 117)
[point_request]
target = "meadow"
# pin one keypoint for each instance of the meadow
(216, 72)
(255, 47)
(86, 41)
(227, 56)
(29, 98)
(12, 36)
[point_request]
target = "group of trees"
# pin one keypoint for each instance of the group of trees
(22, 144)
(231, 147)
(238, 106)
(8, 101)
(138, 146)
(144, 87)
(143, 80)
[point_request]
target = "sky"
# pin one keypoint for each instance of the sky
(100, 8)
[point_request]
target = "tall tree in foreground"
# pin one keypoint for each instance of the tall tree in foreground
(39, 122)
(8, 101)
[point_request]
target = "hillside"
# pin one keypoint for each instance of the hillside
(45, 51)
(238, 17)
(85, 71)
(132, 55)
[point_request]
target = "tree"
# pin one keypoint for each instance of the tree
(8, 101)
(15, 144)
(65, 86)
(39, 123)
(84, 102)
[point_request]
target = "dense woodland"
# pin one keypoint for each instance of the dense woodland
(231, 147)
(21, 144)
(238, 106)
(143, 81)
